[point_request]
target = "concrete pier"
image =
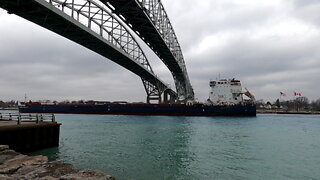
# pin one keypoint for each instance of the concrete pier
(27, 133)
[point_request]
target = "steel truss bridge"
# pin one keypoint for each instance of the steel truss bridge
(106, 27)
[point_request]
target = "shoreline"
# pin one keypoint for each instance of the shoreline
(263, 111)
(259, 111)
(9, 109)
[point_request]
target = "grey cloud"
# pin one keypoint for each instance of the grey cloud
(252, 60)
(52, 67)
(267, 65)
(44, 65)
(195, 20)
(307, 10)
(302, 3)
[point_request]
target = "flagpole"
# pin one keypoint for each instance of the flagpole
(280, 97)
(294, 102)
(279, 101)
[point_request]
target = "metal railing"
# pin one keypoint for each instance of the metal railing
(19, 118)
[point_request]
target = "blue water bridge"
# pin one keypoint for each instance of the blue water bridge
(110, 28)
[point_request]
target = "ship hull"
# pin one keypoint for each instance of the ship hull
(142, 109)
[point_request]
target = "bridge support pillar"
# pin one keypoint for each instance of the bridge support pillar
(169, 97)
(151, 98)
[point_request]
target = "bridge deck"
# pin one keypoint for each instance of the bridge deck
(47, 16)
(154, 27)
(141, 23)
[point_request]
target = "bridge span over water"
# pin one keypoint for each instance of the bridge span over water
(105, 27)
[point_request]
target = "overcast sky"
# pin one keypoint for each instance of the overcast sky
(271, 46)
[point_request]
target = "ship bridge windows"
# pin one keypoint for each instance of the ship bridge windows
(212, 83)
(222, 82)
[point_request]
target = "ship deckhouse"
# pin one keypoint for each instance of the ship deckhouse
(225, 92)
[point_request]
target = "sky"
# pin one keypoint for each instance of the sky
(271, 46)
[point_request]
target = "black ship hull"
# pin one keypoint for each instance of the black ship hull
(141, 109)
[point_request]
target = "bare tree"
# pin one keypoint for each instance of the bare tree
(301, 103)
(316, 105)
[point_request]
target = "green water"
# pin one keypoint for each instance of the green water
(142, 147)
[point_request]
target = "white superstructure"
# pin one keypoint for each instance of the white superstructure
(225, 92)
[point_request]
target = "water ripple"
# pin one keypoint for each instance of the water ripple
(141, 147)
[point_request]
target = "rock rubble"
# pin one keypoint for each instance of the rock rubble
(14, 165)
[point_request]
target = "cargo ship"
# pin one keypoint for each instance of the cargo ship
(225, 99)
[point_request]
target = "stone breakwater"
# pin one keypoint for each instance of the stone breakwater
(14, 165)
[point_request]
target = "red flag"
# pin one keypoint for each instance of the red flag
(297, 94)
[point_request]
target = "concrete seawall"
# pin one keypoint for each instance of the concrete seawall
(30, 137)
(29, 132)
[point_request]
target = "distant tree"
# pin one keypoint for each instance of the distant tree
(11, 103)
(3, 104)
(65, 102)
(316, 105)
(301, 102)
(289, 104)
(260, 103)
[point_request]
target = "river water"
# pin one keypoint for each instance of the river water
(160, 147)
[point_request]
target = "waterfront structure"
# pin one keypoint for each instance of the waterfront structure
(29, 132)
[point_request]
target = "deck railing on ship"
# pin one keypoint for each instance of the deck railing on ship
(19, 117)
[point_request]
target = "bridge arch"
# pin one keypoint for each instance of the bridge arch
(92, 25)
(149, 20)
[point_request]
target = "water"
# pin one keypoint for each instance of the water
(142, 147)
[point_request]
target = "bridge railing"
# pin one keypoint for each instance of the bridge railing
(19, 118)
(156, 12)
